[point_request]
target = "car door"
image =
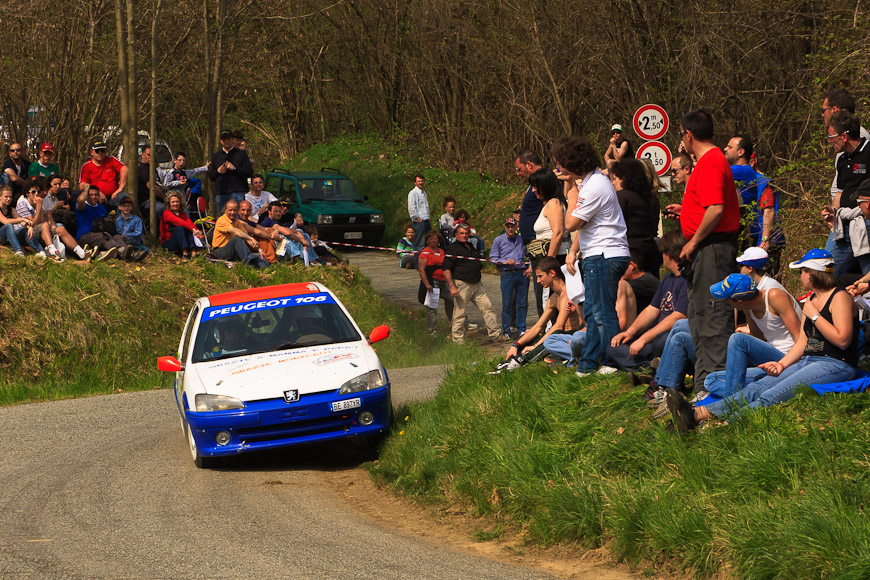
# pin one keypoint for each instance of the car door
(187, 338)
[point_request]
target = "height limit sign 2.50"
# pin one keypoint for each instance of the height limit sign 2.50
(658, 154)
(650, 122)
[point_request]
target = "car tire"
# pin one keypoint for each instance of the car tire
(198, 459)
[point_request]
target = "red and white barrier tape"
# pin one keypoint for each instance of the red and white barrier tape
(413, 252)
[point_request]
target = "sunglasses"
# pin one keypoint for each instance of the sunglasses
(100, 150)
(16, 150)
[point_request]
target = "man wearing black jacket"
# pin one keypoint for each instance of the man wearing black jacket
(463, 280)
(229, 170)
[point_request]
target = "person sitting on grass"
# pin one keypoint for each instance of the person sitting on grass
(476, 241)
(297, 243)
(177, 231)
(90, 212)
(774, 325)
(429, 266)
(30, 206)
(445, 222)
(233, 240)
(9, 218)
(55, 201)
(324, 255)
(825, 352)
(266, 237)
(645, 338)
(559, 309)
(130, 227)
(405, 249)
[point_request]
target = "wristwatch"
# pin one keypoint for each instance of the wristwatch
(813, 318)
(764, 238)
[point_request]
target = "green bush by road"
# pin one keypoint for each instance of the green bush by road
(781, 494)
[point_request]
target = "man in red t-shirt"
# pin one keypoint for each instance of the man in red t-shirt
(106, 172)
(710, 220)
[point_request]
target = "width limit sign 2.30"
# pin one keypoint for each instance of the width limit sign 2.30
(650, 122)
(658, 154)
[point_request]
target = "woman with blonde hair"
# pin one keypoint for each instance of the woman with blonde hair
(177, 230)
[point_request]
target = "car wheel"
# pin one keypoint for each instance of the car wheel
(198, 460)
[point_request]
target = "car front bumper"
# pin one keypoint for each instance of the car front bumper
(274, 423)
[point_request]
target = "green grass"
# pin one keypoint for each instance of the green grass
(385, 173)
(72, 330)
(781, 494)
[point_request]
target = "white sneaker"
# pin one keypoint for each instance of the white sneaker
(61, 249)
(19, 253)
(581, 374)
(699, 396)
(607, 371)
(41, 255)
(471, 326)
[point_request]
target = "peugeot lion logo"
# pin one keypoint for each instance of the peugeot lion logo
(291, 396)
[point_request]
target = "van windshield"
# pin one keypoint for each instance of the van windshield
(328, 189)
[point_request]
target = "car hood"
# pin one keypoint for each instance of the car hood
(267, 375)
(343, 207)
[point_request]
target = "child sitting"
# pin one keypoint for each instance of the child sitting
(405, 249)
(324, 256)
(130, 227)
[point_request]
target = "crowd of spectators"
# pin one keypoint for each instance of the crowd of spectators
(619, 286)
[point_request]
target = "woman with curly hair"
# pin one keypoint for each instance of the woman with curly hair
(593, 212)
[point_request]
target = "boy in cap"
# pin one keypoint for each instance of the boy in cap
(508, 255)
(130, 227)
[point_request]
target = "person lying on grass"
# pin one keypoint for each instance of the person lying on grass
(826, 350)
(566, 317)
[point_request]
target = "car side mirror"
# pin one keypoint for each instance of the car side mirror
(169, 364)
(379, 333)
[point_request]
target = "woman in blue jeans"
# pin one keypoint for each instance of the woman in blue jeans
(825, 352)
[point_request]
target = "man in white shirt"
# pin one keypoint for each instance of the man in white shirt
(418, 209)
(595, 215)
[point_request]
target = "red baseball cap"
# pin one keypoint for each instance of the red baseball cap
(47, 147)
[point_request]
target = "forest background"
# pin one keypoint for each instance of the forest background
(462, 84)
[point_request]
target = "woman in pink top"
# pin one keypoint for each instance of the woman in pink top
(176, 229)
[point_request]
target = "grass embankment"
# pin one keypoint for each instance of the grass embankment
(74, 329)
(385, 172)
(781, 494)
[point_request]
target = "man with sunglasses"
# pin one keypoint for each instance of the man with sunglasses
(838, 100)
(847, 222)
(45, 165)
(105, 172)
(619, 148)
(15, 170)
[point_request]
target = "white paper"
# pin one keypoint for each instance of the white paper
(432, 297)
(574, 284)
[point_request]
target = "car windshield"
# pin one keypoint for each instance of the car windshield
(328, 189)
(270, 325)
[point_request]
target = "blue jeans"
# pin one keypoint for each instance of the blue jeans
(621, 357)
(221, 199)
(8, 236)
(677, 356)
(420, 229)
(601, 276)
(180, 241)
(844, 260)
(566, 346)
(514, 286)
(742, 358)
(769, 391)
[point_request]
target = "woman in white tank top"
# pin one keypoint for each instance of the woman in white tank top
(550, 224)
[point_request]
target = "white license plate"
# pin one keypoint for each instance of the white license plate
(352, 235)
(345, 405)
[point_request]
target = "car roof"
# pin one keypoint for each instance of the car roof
(265, 293)
(310, 174)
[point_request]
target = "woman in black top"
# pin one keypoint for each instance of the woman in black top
(640, 208)
(825, 352)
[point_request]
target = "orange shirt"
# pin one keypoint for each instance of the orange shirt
(222, 235)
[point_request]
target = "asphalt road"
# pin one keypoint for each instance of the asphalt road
(104, 487)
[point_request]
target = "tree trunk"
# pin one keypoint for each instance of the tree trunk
(152, 168)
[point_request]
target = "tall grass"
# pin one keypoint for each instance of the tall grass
(782, 493)
(73, 330)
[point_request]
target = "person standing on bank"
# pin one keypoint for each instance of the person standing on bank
(710, 220)
(229, 170)
(418, 209)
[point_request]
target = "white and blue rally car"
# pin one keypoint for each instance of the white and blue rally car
(276, 366)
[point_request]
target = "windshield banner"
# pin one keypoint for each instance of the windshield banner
(307, 299)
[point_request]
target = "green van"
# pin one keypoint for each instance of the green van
(331, 201)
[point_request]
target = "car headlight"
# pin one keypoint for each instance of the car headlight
(324, 219)
(217, 403)
(377, 218)
(370, 380)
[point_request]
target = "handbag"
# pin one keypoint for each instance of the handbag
(538, 248)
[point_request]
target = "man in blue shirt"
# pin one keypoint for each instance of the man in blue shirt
(756, 194)
(508, 254)
(89, 210)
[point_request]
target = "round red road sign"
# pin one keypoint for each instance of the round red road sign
(658, 154)
(650, 122)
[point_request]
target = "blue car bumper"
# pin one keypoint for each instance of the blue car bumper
(275, 423)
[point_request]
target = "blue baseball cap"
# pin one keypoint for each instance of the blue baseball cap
(735, 287)
(818, 259)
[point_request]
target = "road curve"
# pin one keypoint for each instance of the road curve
(104, 487)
